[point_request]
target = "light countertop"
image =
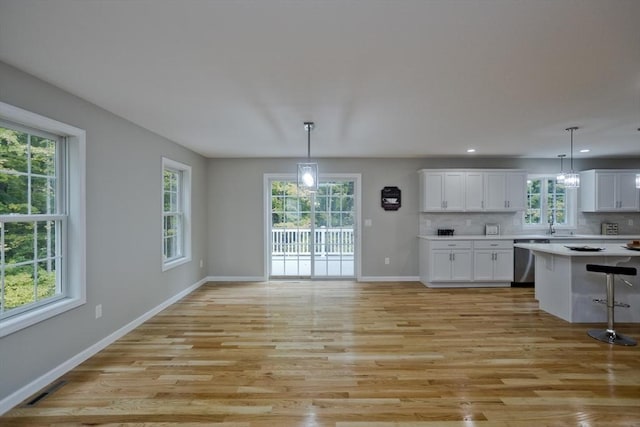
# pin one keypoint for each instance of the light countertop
(533, 236)
(608, 249)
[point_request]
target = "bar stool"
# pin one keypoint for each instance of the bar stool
(609, 335)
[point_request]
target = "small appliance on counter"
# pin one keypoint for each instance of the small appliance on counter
(609, 228)
(445, 231)
(491, 229)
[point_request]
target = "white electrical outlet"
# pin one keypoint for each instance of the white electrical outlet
(201, 264)
(98, 311)
(367, 223)
(631, 222)
(387, 260)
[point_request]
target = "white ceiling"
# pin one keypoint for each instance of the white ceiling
(393, 78)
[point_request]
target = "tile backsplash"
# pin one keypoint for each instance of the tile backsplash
(512, 222)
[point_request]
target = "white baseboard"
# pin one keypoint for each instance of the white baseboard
(264, 279)
(467, 284)
(389, 279)
(15, 398)
(236, 279)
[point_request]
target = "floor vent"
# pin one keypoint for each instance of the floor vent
(45, 393)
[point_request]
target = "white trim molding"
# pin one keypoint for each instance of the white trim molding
(236, 279)
(185, 207)
(389, 279)
(74, 238)
(357, 229)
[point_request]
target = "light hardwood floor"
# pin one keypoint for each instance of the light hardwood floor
(351, 355)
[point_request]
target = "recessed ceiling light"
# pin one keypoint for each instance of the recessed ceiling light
(471, 150)
(585, 150)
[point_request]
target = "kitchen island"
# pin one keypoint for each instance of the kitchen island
(564, 288)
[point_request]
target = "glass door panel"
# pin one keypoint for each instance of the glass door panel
(334, 248)
(312, 234)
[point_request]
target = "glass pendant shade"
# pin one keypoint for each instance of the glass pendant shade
(308, 172)
(571, 180)
(308, 176)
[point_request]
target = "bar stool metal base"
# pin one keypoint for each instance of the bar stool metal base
(611, 337)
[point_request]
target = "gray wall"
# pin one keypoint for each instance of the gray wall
(235, 198)
(123, 230)
(236, 232)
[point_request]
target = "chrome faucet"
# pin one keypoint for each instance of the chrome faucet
(552, 230)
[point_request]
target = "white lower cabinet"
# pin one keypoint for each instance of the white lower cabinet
(452, 265)
(448, 260)
(470, 263)
(492, 264)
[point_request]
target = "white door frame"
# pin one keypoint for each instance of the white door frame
(268, 177)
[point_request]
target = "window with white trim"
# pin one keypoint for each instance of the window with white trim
(549, 202)
(176, 218)
(42, 232)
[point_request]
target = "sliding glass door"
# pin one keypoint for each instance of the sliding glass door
(313, 235)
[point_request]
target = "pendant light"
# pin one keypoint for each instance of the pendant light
(308, 172)
(561, 177)
(572, 179)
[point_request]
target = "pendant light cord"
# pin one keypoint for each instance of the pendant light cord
(571, 129)
(572, 150)
(308, 126)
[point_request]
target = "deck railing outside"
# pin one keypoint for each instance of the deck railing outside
(329, 241)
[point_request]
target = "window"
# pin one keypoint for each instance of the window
(176, 203)
(41, 218)
(549, 202)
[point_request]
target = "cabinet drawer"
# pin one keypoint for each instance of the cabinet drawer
(493, 244)
(451, 244)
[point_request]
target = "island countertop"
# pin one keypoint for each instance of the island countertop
(608, 249)
(627, 237)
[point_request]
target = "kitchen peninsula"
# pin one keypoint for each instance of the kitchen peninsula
(564, 288)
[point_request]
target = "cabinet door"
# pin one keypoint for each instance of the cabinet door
(440, 266)
(461, 266)
(495, 191)
(454, 191)
(483, 264)
(627, 192)
(474, 191)
(503, 266)
(516, 191)
(606, 191)
(432, 191)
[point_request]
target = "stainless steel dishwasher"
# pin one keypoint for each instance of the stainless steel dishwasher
(524, 263)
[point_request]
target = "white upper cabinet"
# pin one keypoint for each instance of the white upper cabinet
(495, 191)
(441, 191)
(609, 191)
(506, 191)
(472, 190)
(516, 191)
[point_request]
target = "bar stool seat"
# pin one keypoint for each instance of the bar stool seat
(609, 335)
